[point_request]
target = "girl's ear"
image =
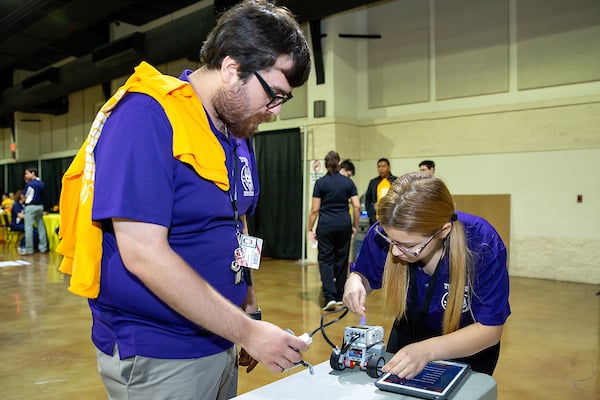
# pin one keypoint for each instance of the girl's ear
(446, 229)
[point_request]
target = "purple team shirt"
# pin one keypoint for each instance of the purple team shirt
(489, 301)
(138, 178)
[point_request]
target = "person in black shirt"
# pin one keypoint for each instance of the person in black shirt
(335, 228)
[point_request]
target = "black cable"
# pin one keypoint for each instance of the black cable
(346, 346)
(322, 326)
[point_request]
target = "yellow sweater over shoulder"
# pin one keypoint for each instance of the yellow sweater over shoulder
(193, 143)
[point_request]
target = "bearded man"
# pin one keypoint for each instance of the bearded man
(165, 178)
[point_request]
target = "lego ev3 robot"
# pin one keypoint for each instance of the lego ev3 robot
(363, 347)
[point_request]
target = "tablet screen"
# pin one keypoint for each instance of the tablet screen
(437, 379)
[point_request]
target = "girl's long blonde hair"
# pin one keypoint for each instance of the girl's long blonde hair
(422, 204)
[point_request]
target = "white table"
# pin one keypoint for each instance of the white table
(355, 384)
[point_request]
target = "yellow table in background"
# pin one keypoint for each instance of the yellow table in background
(52, 221)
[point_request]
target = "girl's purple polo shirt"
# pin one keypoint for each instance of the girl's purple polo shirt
(489, 299)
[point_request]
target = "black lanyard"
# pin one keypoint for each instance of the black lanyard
(233, 185)
(419, 314)
(245, 271)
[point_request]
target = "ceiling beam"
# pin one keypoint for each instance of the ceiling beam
(171, 41)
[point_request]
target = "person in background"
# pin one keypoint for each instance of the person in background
(7, 202)
(427, 167)
(171, 295)
(377, 188)
(17, 220)
(444, 277)
(34, 212)
(335, 228)
(347, 168)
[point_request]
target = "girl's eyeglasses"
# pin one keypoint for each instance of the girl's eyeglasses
(379, 230)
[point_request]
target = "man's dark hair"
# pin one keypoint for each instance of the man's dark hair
(385, 160)
(33, 170)
(332, 162)
(255, 33)
(428, 163)
(348, 166)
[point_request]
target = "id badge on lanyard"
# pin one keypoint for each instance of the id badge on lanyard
(251, 249)
(247, 254)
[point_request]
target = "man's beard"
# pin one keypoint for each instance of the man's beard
(231, 107)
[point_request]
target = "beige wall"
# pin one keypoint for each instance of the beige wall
(552, 236)
(491, 125)
(504, 95)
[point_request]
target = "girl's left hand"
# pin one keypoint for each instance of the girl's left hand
(409, 361)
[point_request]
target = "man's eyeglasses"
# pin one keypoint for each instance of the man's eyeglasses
(276, 98)
(379, 230)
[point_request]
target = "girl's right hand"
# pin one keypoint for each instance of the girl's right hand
(355, 294)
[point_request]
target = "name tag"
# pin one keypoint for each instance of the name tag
(251, 250)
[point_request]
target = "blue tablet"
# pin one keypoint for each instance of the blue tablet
(437, 380)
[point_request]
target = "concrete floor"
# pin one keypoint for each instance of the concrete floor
(549, 348)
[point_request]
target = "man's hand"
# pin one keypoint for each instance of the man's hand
(272, 346)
